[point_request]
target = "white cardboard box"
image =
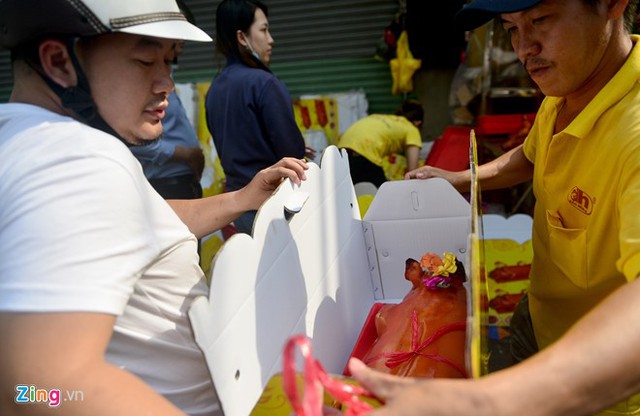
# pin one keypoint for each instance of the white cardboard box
(317, 272)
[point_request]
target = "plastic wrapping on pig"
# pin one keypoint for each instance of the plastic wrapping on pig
(425, 334)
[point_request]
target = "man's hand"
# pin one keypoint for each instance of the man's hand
(459, 180)
(206, 215)
(406, 396)
(426, 172)
(268, 179)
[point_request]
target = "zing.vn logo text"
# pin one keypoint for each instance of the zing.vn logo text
(580, 200)
(52, 397)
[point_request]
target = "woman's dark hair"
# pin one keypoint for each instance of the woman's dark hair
(412, 110)
(231, 16)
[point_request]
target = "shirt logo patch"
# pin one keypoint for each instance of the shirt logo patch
(580, 200)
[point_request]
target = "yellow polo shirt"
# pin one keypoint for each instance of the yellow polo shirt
(379, 135)
(586, 228)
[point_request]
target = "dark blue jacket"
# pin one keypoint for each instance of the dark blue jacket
(250, 117)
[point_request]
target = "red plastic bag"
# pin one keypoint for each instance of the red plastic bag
(315, 382)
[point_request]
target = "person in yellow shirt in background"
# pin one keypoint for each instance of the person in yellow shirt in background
(583, 154)
(373, 138)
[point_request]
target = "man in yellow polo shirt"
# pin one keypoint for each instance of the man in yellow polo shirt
(583, 154)
(373, 138)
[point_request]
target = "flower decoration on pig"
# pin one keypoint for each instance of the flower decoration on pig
(438, 270)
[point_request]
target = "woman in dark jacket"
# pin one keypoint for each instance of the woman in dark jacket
(249, 110)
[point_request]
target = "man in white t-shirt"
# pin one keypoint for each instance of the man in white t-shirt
(97, 271)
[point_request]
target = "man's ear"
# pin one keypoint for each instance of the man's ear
(56, 62)
(617, 8)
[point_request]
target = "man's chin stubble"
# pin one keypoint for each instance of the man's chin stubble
(138, 142)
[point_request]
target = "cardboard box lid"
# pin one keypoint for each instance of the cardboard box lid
(310, 273)
(406, 219)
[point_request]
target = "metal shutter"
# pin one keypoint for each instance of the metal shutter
(321, 46)
(5, 76)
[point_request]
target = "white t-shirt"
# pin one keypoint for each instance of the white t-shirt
(81, 229)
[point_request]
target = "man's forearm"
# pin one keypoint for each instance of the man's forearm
(589, 369)
(206, 215)
(511, 168)
(62, 355)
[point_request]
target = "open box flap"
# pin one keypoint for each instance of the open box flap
(417, 199)
(407, 218)
(307, 274)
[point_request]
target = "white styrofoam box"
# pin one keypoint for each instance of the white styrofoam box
(311, 272)
(352, 106)
(317, 140)
(517, 227)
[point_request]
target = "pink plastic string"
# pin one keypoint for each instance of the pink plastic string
(315, 379)
(395, 358)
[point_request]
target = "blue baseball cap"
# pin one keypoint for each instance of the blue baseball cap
(479, 12)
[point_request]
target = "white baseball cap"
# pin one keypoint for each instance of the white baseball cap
(24, 20)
